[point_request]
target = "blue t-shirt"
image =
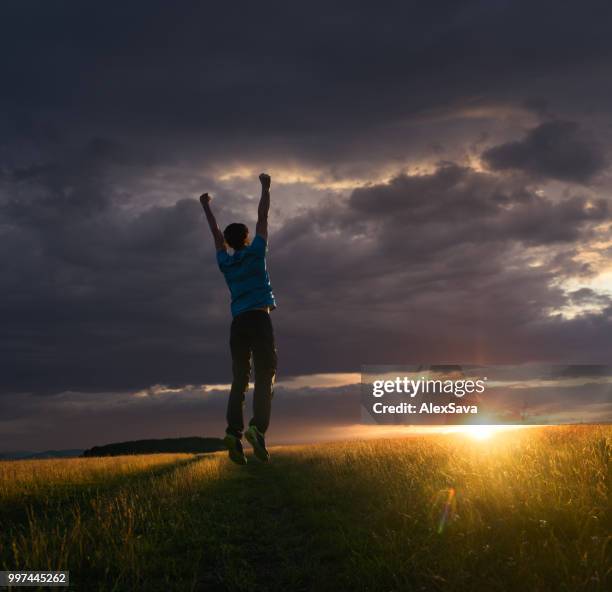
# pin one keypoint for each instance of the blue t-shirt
(247, 277)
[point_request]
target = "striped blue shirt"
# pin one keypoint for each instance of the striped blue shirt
(247, 277)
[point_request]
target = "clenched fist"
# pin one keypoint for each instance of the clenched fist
(205, 199)
(265, 180)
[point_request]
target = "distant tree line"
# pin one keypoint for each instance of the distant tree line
(194, 444)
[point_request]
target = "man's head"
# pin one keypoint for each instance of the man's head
(236, 236)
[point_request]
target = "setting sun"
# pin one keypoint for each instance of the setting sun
(482, 432)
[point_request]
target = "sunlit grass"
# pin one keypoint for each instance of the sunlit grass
(487, 509)
(131, 529)
(32, 477)
(497, 510)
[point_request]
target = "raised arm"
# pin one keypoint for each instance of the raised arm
(205, 200)
(264, 206)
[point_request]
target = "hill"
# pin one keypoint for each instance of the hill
(29, 455)
(194, 444)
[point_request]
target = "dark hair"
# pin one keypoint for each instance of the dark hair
(235, 235)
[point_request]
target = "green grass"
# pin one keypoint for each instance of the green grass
(525, 510)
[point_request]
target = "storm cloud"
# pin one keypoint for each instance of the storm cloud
(556, 149)
(440, 186)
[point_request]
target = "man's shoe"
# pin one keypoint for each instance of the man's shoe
(234, 446)
(258, 442)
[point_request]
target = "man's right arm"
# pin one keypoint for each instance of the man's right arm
(261, 228)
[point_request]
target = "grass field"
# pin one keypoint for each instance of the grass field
(523, 510)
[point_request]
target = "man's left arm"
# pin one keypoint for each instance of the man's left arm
(205, 200)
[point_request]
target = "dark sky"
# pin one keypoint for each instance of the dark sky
(440, 186)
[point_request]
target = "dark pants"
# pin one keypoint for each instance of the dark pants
(251, 333)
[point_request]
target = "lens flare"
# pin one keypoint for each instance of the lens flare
(448, 511)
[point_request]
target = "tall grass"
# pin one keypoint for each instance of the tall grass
(122, 537)
(525, 510)
(39, 477)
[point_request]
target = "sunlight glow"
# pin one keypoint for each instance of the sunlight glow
(481, 432)
(323, 179)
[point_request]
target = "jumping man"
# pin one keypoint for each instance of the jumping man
(251, 330)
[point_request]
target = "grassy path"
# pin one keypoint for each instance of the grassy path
(261, 541)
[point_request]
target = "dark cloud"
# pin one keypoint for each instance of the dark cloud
(582, 371)
(538, 105)
(77, 419)
(101, 296)
(314, 82)
(114, 118)
(456, 204)
(585, 296)
(71, 419)
(555, 149)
